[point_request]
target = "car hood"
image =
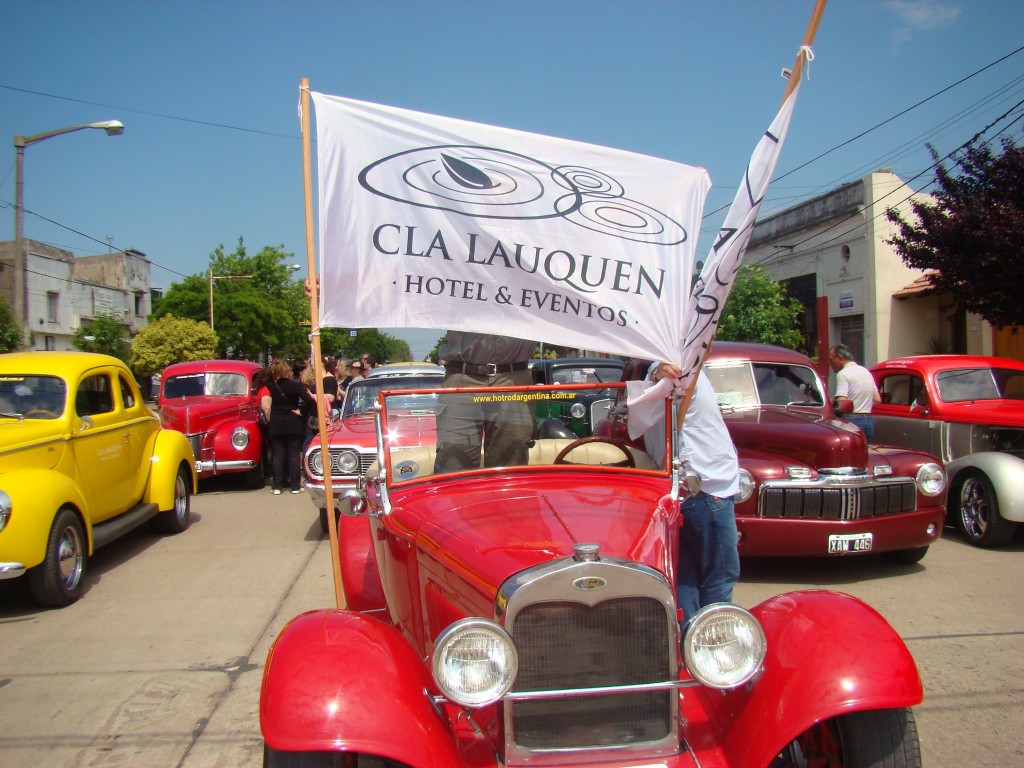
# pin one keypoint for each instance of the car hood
(36, 443)
(489, 529)
(403, 429)
(194, 414)
(804, 436)
(999, 413)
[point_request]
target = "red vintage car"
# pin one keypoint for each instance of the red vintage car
(969, 411)
(215, 404)
(526, 616)
(811, 485)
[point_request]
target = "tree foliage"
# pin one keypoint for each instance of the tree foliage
(258, 305)
(105, 334)
(973, 233)
(10, 333)
(171, 340)
(758, 309)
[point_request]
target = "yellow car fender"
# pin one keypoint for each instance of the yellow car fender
(36, 496)
(169, 451)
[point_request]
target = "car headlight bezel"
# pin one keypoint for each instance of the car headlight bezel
(724, 646)
(931, 479)
(6, 507)
(474, 662)
(747, 486)
(347, 462)
(240, 437)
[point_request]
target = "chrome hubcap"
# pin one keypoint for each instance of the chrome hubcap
(70, 558)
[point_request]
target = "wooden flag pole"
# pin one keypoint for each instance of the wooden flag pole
(794, 79)
(318, 364)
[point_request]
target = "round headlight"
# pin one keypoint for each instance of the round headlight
(240, 437)
(724, 646)
(348, 462)
(577, 410)
(315, 462)
(6, 505)
(931, 479)
(474, 662)
(747, 485)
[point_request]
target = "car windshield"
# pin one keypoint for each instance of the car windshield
(589, 374)
(205, 383)
(507, 417)
(962, 384)
(32, 397)
(747, 385)
(362, 394)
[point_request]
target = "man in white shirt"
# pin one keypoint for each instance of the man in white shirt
(854, 384)
(709, 561)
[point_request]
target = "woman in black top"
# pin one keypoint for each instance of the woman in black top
(283, 402)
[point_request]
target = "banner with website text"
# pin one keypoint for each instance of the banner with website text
(431, 222)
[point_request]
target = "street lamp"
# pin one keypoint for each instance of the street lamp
(113, 128)
(291, 268)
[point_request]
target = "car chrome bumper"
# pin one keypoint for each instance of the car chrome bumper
(217, 467)
(318, 495)
(11, 570)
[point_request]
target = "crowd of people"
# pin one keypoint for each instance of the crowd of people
(291, 400)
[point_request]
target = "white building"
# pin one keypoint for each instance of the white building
(832, 255)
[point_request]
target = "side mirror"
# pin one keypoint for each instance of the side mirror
(356, 503)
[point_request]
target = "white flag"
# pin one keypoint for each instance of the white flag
(646, 402)
(431, 222)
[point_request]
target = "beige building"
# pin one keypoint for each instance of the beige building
(831, 253)
(62, 291)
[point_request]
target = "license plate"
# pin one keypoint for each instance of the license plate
(842, 543)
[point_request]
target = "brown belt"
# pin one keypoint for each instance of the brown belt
(490, 369)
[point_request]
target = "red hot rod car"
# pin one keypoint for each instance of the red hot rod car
(525, 616)
(969, 411)
(215, 404)
(811, 484)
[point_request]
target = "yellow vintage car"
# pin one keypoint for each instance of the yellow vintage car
(82, 462)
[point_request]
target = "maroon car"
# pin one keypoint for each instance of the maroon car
(810, 483)
(215, 404)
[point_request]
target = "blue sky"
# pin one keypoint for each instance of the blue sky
(208, 93)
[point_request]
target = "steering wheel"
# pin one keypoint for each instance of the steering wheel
(630, 462)
(41, 412)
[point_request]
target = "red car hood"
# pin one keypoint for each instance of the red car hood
(403, 430)
(195, 414)
(1000, 413)
(498, 527)
(804, 436)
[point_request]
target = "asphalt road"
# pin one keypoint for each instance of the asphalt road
(159, 664)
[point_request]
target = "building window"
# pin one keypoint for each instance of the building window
(850, 331)
(52, 302)
(50, 343)
(140, 304)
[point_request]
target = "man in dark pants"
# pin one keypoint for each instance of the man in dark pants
(466, 425)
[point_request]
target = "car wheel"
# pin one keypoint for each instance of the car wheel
(255, 478)
(905, 556)
(57, 581)
(977, 513)
(881, 737)
(273, 758)
(178, 518)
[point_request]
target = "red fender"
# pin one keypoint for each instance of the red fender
(828, 654)
(359, 574)
(339, 681)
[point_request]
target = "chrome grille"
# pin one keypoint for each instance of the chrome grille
(568, 645)
(196, 441)
(836, 503)
(366, 458)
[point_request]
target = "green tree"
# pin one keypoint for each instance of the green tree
(383, 346)
(10, 333)
(972, 235)
(258, 305)
(105, 334)
(170, 340)
(758, 309)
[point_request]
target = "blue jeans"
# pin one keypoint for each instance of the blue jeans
(864, 422)
(709, 561)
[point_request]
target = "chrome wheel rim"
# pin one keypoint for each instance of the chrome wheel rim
(70, 557)
(180, 498)
(974, 508)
